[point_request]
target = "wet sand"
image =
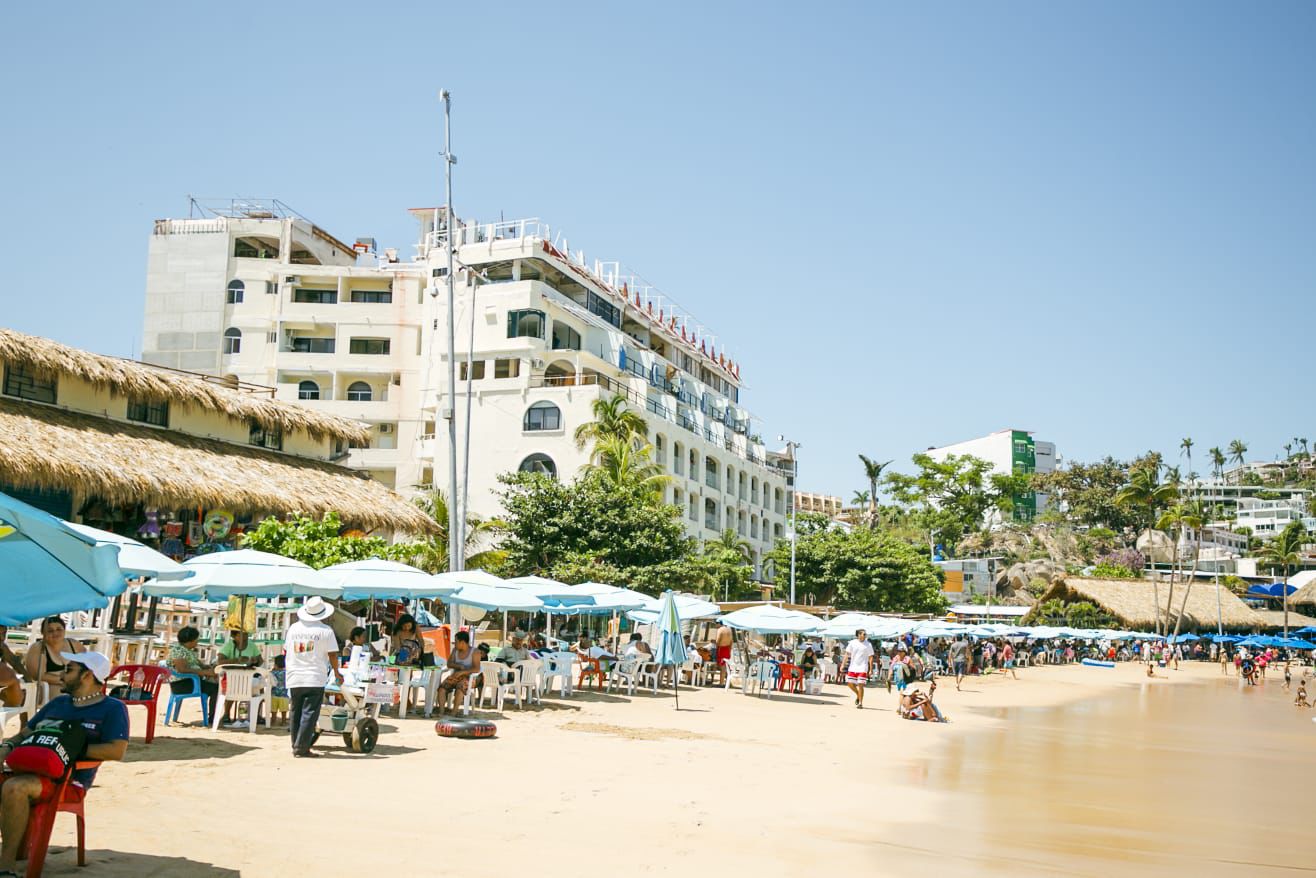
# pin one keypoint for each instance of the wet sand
(1066, 770)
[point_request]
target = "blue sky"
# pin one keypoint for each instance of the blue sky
(912, 223)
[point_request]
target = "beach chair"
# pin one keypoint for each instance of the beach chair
(29, 707)
(520, 683)
(694, 671)
(144, 682)
(241, 685)
(827, 668)
(592, 669)
(176, 699)
(625, 673)
(649, 674)
(68, 798)
(557, 667)
(491, 679)
(763, 676)
(735, 670)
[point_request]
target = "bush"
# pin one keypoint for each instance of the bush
(1130, 560)
(1113, 571)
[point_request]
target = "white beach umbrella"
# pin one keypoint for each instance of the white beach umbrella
(769, 619)
(245, 572)
(688, 608)
(377, 578)
(136, 559)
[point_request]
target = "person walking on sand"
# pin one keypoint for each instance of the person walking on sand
(311, 648)
(1288, 676)
(860, 653)
(1007, 659)
(1224, 660)
(959, 659)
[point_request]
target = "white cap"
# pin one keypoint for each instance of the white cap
(98, 664)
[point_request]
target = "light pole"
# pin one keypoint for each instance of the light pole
(792, 447)
(455, 558)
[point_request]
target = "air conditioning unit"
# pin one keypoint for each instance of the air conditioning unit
(385, 428)
(291, 280)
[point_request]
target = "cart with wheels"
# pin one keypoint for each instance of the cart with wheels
(356, 718)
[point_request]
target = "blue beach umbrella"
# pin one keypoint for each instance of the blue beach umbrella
(1226, 638)
(1295, 643)
(47, 567)
(1308, 630)
(671, 647)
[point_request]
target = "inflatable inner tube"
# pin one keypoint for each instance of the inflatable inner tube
(465, 728)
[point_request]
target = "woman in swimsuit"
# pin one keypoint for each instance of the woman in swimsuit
(43, 661)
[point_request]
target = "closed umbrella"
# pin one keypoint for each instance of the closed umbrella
(671, 647)
(137, 560)
(47, 567)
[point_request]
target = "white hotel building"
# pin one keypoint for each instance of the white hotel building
(253, 290)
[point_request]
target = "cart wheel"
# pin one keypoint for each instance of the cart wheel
(365, 735)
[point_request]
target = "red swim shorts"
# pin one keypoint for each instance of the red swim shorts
(723, 654)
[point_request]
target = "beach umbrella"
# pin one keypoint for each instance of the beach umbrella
(138, 561)
(502, 596)
(844, 626)
(936, 628)
(245, 573)
(769, 619)
(1226, 638)
(671, 647)
(1184, 638)
(606, 599)
(1308, 630)
(377, 578)
(47, 567)
(1294, 643)
(688, 608)
(552, 593)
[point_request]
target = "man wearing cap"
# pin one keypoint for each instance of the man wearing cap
(311, 649)
(106, 722)
(517, 652)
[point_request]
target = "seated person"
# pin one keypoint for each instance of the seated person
(516, 651)
(11, 687)
(464, 661)
(808, 661)
(238, 651)
(357, 637)
(42, 662)
(1301, 700)
(183, 659)
(917, 706)
(106, 722)
(406, 645)
(8, 656)
(637, 648)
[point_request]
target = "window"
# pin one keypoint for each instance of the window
(542, 416)
(232, 340)
(539, 463)
(596, 305)
(266, 437)
(315, 297)
(235, 291)
(22, 382)
(526, 323)
(359, 391)
(372, 297)
(149, 412)
(477, 370)
(507, 368)
(372, 346)
(314, 345)
(564, 337)
(308, 390)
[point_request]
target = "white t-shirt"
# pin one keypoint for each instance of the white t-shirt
(311, 649)
(859, 651)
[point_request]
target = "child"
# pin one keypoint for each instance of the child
(1288, 676)
(1301, 700)
(279, 693)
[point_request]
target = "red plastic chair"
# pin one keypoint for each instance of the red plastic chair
(68, 798)
(591, 668)
(153, 678)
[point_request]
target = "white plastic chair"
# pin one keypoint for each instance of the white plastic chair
(884, 668)
(491, 674)
(693, 671)
(625, 673)
(29, 707)
(735, 670)
(763, 676)
(524, 683)
(649, 673)
(241, 685)
(557, 666)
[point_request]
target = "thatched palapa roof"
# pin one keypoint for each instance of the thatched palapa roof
(47, 447)
(1305, 582)
(155, 384)
(1133, 602)
(1273, 619)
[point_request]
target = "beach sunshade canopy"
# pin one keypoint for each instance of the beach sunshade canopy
(136, 559)
(1295, 643)
(377, 578)
(688, 608)
(47, 567)
(503, 596)
(1226, 638)
(1308, 630)
(769, 619)
(1184, 638)
(552, 593)
(1272, 590)
(935, 628)
(246, 572)
(452, 580)
(605, 600)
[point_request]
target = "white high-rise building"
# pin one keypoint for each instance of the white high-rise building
(1009, 451)
(255, 291)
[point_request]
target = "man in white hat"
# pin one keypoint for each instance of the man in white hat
(106, 722)
(312, 650)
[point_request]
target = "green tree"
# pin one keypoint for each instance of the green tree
(315, 542)
(863, 569)
(873, 472)
(951, 495)
(726, 563)
(623, 460)
(613, 419)
(1186, 448)
(1087, 492)
(1175, 521)
(431, 553)
(1285, 552)
(1217, 462)
(1238, 452)
(1146, 491)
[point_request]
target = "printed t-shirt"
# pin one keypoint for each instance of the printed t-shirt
(310, 648)
(859, 651)
(105, 721)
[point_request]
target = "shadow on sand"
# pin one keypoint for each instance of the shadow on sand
(166, 749)
(64, 861)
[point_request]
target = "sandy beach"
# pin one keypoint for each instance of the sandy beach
(1016, 783)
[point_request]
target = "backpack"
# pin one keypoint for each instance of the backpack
(50, 750)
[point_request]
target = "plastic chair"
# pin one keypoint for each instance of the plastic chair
(29, 707)
(735, 670)
(491, 675)
(144, 683)
(241, 685)
(176, 699)
(591, 669)
(519, 683)
(625, 673)
(557, 666)
(68, 798)
(649, 673)
(764, 674)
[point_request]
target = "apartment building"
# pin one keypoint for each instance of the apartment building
(1009, 451)
(823, 504)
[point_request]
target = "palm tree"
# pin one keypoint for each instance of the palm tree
(1238, 454)
(622, 462)
(1182, 516)
(431, 553)
(1303, 442)
(1284, 551)
(1145, 489)
(862, 499)
(873, 472)
(1186, 448)
(612, 418)
(1217, 462)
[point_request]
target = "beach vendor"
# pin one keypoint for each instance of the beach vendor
(310, 647)
(105, 721)
(464, 662)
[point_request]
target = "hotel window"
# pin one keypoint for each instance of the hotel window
(22, 382)
(308, 390)
(266, 437)
(315, 297)
(235, 291)
(477, 370)
(598, 306)
(525, 323)
(372, 346)
(149, 412)
(564, 337)
(372, 297)
(507, 368)
(539, 463)
(314, 345)
(359, 391)
(232, 341)
(542, 416)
